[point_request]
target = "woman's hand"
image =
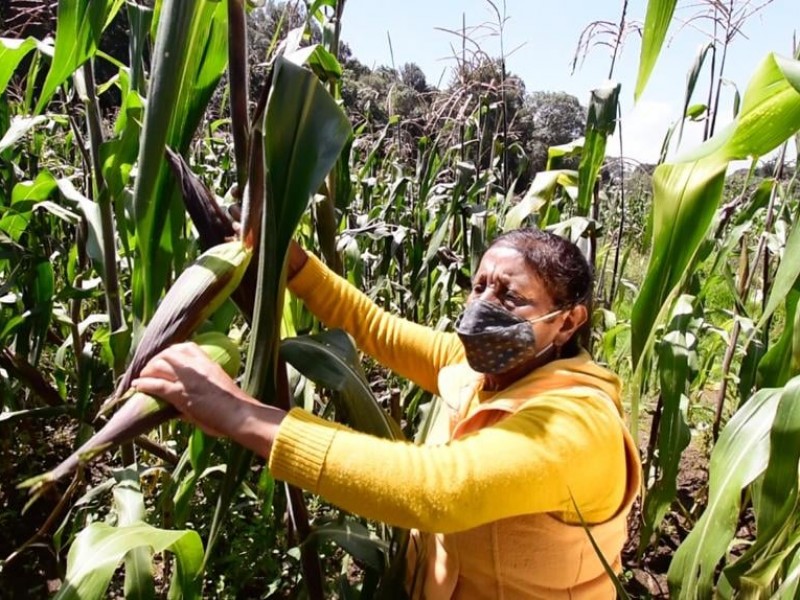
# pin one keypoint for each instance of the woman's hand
(184, 376)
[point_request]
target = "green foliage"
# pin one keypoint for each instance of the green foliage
(656, 24)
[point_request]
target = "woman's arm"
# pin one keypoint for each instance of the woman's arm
(534, 461)
(411, 350)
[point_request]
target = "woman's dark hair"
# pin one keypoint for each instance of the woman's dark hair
(564, 270)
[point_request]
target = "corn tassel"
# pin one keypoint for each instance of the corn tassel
(194, 297)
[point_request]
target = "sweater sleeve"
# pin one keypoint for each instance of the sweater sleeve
(410, 350)
(534, 461)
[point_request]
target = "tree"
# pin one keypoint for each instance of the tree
(412, 76)
(548, 119)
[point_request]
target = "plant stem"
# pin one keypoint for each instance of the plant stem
(238, 84)
(298, 513)
(103, 199)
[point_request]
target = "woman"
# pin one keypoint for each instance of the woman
(530, 441)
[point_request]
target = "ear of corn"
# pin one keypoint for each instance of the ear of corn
(194, 297)
(214, 225)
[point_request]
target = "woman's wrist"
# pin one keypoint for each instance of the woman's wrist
(258, 427)
(297, 259)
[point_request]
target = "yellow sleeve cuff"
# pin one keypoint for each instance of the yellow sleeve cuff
(310, 277)
(300, 448)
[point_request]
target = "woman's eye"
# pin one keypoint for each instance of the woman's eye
(478, 287)
(513, 300)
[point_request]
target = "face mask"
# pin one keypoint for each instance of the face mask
(496, 340)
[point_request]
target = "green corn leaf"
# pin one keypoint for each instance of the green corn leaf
(12, 51)
(600, 123)
(740, 455)
(100, 548)
(539, 195)
(789, 586)
(79, 25)
(129, 506)
(37, 295)
(777, 365)
(304, 132)
(331, 360)
(570, 149)
(19, 127)
(674, 353)
(297, 155)
(687, 192)
(656, 24)
(356, 540)
(777, 494)
(190, 55)
(786, 275)
(696, 110)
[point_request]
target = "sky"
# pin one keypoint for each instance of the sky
(544, 36)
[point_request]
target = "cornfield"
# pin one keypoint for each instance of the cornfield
(149, 192)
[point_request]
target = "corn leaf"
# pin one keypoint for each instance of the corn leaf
(12, 51)
(600, 123)
(79, 25)
(296, 154)
(356, 540)
(777, 495)
(777, 366)
(190, 56)
(129, 506)
(539, 195)
(695, 111)
(330, 359)
(19, 127)
(687, 192)
(304, 131)
(786, 275)
(740, 455)
(674, 365)
(656, 24)
(99, 548)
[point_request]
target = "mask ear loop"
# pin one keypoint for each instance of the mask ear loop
(550, 315)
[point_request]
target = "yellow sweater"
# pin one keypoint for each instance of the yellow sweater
(553, 436)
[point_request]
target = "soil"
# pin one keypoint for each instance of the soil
(26, 450)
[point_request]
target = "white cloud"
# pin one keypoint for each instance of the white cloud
(643, 130)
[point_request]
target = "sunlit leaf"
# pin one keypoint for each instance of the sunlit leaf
(687, 192)
(656, 24)
(740, 455)
(99, 549)
(600, 123)
(79, 25)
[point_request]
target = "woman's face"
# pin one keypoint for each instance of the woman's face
(505, 279)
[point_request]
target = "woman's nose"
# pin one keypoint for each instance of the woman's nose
(488, 295)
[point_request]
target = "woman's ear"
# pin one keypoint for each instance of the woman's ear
(575, 318)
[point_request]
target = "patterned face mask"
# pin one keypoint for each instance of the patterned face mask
(496, 340)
